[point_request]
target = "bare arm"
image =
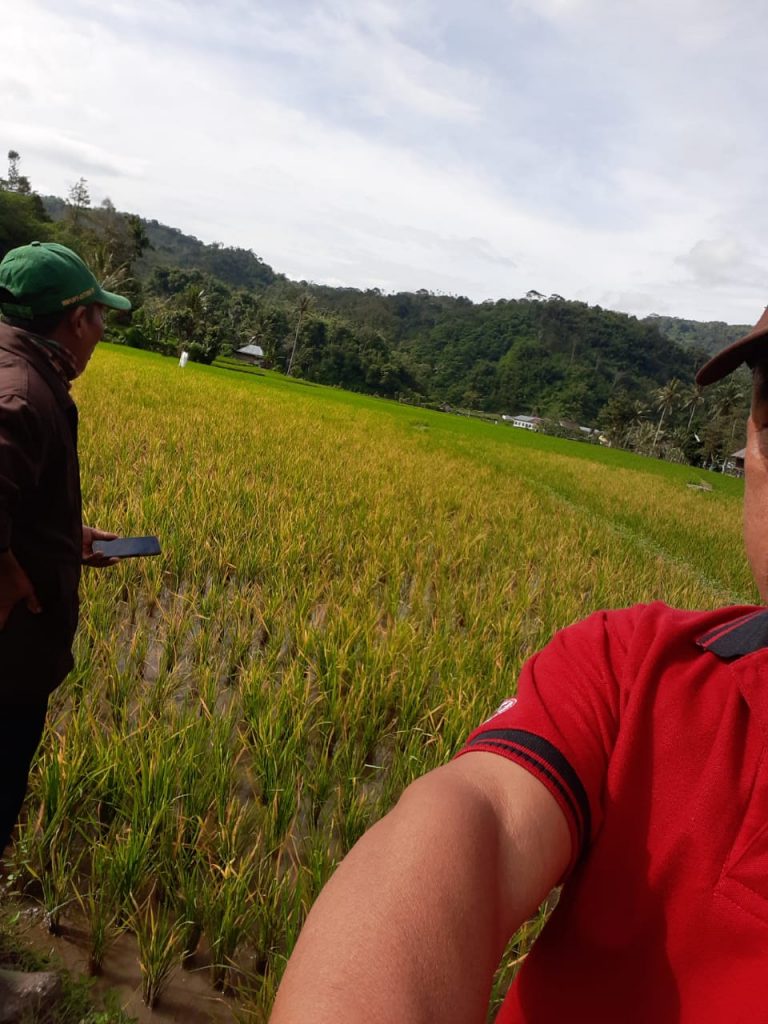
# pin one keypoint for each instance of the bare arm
(414, 922)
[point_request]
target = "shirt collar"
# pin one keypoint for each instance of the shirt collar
(739, 637)
(60, 358)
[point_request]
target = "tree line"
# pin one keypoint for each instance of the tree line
(567, 361)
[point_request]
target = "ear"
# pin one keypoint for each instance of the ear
(77, 319)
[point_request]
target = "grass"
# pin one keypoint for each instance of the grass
(76, 1004)
(348, 586)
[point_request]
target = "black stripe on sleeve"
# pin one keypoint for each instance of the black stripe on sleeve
(738, 638)
(725, 627)
(521, 755)
(560, 767)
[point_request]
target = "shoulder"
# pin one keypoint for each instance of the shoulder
(15, 373)
(645, 630)
(28, 407)
(25, 386)
(25, 399)
(655, 634)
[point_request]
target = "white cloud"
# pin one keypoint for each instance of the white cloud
(80, 157)
(553, 10)
(717, 262)
(601, 149)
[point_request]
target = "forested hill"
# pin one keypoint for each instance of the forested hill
(170, 247)
(560, 359)
(551, 356)
(707, 337)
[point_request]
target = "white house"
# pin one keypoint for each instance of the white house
(523, 422)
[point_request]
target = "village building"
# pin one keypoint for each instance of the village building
(734, 464)
(253, 354)
(524, 422)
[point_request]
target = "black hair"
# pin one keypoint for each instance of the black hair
(42, 325)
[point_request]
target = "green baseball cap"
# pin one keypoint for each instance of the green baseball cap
(45, 278)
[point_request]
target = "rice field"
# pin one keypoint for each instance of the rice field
(347, 587)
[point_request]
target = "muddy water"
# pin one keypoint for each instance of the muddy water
(188, 996)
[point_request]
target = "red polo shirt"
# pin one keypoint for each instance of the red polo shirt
(649, 727)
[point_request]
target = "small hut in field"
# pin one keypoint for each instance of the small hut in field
(253, 354)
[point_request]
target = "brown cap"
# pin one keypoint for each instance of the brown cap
(734, 355)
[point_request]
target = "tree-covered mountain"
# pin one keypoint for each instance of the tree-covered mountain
(550, 356)
(170, 247)
(560, 359)
(707, 337)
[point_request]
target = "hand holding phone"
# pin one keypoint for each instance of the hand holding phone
(127, 547)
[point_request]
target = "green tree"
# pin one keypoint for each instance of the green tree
(728, 398)
(731, 405)
(16, 181)
(273, 331)
(78, 201)
(666, 399)
(22, 220)
(617, 416)
(641, 438)
(302, 307)
(693, 398)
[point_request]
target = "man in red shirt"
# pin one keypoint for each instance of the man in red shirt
(633, 767)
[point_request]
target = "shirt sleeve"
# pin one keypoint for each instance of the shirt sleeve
(21, 455)
(562, 724)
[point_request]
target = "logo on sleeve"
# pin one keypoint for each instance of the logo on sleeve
(504, 706)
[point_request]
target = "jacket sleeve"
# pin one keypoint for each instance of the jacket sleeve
(562, 723)
(22, 443)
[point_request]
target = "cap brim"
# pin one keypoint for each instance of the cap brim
(726, 362)
(731, 357)
(112, 301)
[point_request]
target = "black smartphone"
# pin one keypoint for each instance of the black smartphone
(127, 547)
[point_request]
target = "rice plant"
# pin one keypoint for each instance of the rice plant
(340, 599)
(158, 940)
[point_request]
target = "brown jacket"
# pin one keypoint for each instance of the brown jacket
(40, 516)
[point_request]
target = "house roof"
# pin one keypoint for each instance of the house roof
(251, 350)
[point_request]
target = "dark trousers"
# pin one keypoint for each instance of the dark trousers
(21, 726)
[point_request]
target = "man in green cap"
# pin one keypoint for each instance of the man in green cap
(53, 311)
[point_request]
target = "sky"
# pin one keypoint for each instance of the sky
(611, 151)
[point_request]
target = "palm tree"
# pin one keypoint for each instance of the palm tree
(665, 399)
(639, 438)
(302, 307)
(640, 411)
(728, 397)
(725, 408)
(185, 315)
(693, 397)
(728, 404)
